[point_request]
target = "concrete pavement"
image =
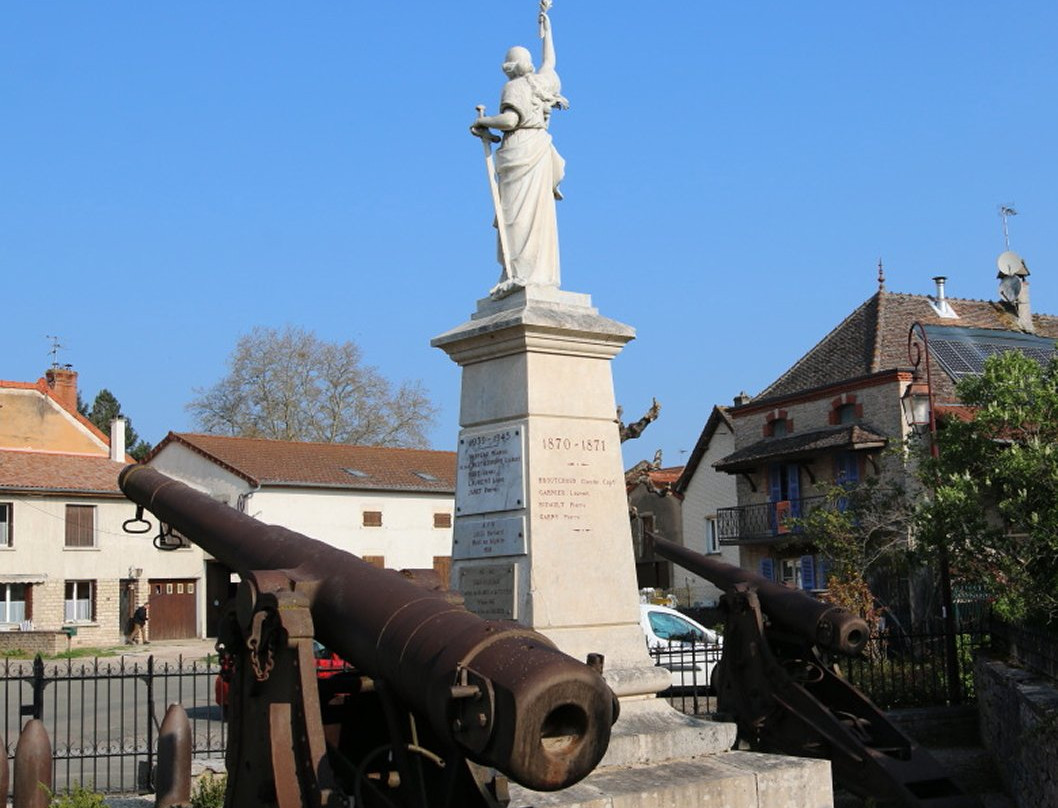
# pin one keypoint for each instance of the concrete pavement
(171, 651)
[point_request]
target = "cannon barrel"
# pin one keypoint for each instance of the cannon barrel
(550, 714)
(824, 624)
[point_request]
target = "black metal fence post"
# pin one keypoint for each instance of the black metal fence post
(150, 719)
(38, 687)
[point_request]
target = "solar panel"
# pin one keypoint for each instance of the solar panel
(963, 351)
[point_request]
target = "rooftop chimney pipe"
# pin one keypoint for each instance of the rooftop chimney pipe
(940, 281)
(940, 303)
(117, 439)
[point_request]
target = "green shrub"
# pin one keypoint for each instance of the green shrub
(209, 791)
(78, 797)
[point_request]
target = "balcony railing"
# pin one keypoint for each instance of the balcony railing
(763, 523)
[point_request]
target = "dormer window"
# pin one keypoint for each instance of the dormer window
(777, 424)
(845, 410)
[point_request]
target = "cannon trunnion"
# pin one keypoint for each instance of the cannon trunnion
(438, 699)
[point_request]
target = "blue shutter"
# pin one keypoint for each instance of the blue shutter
(808, 572)
(846, 468)
(793, 485)
(775, 482)
(774, 495)
(823, 571)
(767, 569)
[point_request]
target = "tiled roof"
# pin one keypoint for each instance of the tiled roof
(804, 444)
(666, 475)
(656, 480)
(331, 465)
(873, 339)
(54, 473)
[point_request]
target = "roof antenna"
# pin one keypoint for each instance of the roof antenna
(1006, 211)
(55, 348)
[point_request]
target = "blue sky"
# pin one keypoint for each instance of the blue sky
(176, 174)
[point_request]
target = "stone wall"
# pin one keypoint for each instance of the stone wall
(31, 643)
(1019, 726)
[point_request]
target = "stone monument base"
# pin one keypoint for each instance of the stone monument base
(727, 780)
(660, 757)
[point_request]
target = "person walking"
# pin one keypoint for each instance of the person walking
(139, 624)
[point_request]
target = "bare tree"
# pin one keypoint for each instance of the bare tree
(291, 385)
(635, 429)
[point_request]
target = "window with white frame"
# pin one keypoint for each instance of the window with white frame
(712, 543)
(79, 602)
(13, 605)
(790, 572)
(7, 536)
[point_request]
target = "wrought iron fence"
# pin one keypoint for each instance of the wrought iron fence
(909, 670)
(690, 667)
(764, 521)
(103, 717)
(893, 671)
(1034, 647)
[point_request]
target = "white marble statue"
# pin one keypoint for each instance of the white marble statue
(527, 169)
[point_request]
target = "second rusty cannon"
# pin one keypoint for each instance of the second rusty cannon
(778, 679)
(490, 692)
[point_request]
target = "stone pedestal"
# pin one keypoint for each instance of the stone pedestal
(541, 532)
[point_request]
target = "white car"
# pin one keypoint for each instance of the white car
(687, 649)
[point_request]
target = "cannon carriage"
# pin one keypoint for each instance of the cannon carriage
(442, 707)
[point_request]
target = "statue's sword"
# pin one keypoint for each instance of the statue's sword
(487, 139)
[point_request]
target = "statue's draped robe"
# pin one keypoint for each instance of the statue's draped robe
(529, 170)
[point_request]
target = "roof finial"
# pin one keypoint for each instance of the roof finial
(1006, 211)
(881, 275)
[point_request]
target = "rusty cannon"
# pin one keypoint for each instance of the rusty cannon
(437, 699)
(779, 680)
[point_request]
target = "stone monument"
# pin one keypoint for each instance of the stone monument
(541, 532)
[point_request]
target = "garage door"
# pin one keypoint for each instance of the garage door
(172, 609)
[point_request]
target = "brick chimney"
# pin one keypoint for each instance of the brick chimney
(63, 382)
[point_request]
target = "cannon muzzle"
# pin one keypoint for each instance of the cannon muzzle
(824, 624)
(503, 694)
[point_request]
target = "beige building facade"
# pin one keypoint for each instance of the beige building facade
(70, 575)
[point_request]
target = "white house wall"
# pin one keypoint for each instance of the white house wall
(200, 473)
(707, 491)
(38, 549)
(406, 539)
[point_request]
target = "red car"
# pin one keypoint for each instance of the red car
(328, 664)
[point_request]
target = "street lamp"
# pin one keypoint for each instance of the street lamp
(917, 404)
(920, 413)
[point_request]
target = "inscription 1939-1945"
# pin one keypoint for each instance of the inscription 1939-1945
(489, 472)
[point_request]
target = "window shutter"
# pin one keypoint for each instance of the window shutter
(823, 571)
(808, 572)
(767, 569)
(793, 486)
(79, 525)
(775, 482)
(774, 495)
